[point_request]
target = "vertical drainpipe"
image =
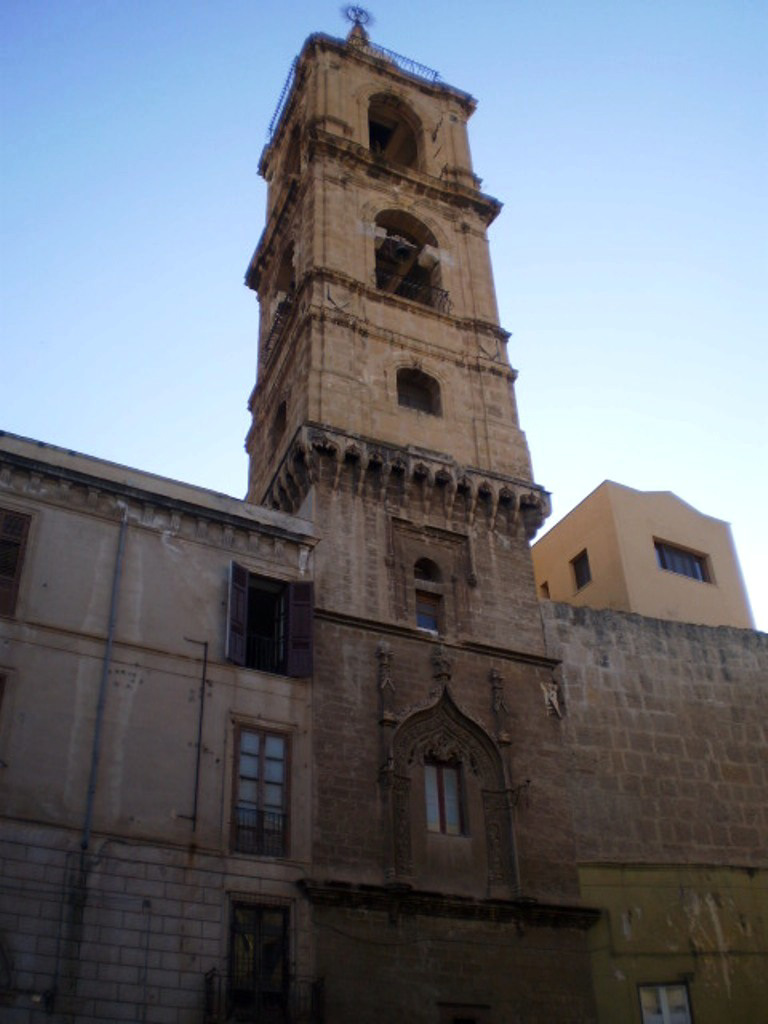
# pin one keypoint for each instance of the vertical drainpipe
(96, 750)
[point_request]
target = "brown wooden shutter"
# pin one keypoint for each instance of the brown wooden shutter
(237, 614)
(300, 621)
(13, 539)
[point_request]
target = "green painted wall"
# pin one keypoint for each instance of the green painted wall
(704, 926)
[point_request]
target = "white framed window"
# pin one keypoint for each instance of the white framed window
(665, 1004)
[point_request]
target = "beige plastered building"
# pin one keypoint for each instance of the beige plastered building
(646, 552)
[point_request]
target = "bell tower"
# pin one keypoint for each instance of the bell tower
(378, 313)
(384, 411)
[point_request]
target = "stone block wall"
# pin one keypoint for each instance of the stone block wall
(127, 933)
(666, 732)
(425, 969)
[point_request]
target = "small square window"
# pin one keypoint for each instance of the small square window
(582, 574)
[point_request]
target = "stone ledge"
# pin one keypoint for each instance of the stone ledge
(401, 900)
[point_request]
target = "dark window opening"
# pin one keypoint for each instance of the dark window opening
(259, 964)
(260, 818)
(443, 792)
(582, 574)
(426, 569)
(278, 423)
(407, 260)
(379, 136)
(544, 590)
(269, 624)
(390, 133)
(682, 562)
(285, 279)
(417, 390)
(14, 528)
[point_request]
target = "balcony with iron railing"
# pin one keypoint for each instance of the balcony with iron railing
(260, 833)
(411, 287)
(229, 998)
(265, 653)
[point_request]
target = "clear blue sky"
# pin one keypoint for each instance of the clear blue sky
(627, 141)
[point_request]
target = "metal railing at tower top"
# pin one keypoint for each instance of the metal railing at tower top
(411, 67)
(284, 94)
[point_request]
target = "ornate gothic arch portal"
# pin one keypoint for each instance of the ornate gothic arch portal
(444, 733)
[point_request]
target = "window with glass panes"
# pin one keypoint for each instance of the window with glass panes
(442, 785)
(664, 1004)
(682, 561)
(261, 783)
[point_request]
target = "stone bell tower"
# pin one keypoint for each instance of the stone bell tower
(378, 312)
(384, 410)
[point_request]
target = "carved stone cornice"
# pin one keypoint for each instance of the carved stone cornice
(427, 480)
(399, 899)
(440, 190)
(46, 482)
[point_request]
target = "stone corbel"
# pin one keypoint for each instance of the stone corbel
(441, 666)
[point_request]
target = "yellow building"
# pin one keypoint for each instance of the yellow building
(646, 552)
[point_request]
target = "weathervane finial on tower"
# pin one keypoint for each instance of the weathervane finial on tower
(359, 18)
(357, 15)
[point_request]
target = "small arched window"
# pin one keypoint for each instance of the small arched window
(417, 390)
(427, 570)
(392, 131)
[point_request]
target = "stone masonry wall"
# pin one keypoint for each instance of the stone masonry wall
(130, 938)
(666, 725)
(379, 967)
